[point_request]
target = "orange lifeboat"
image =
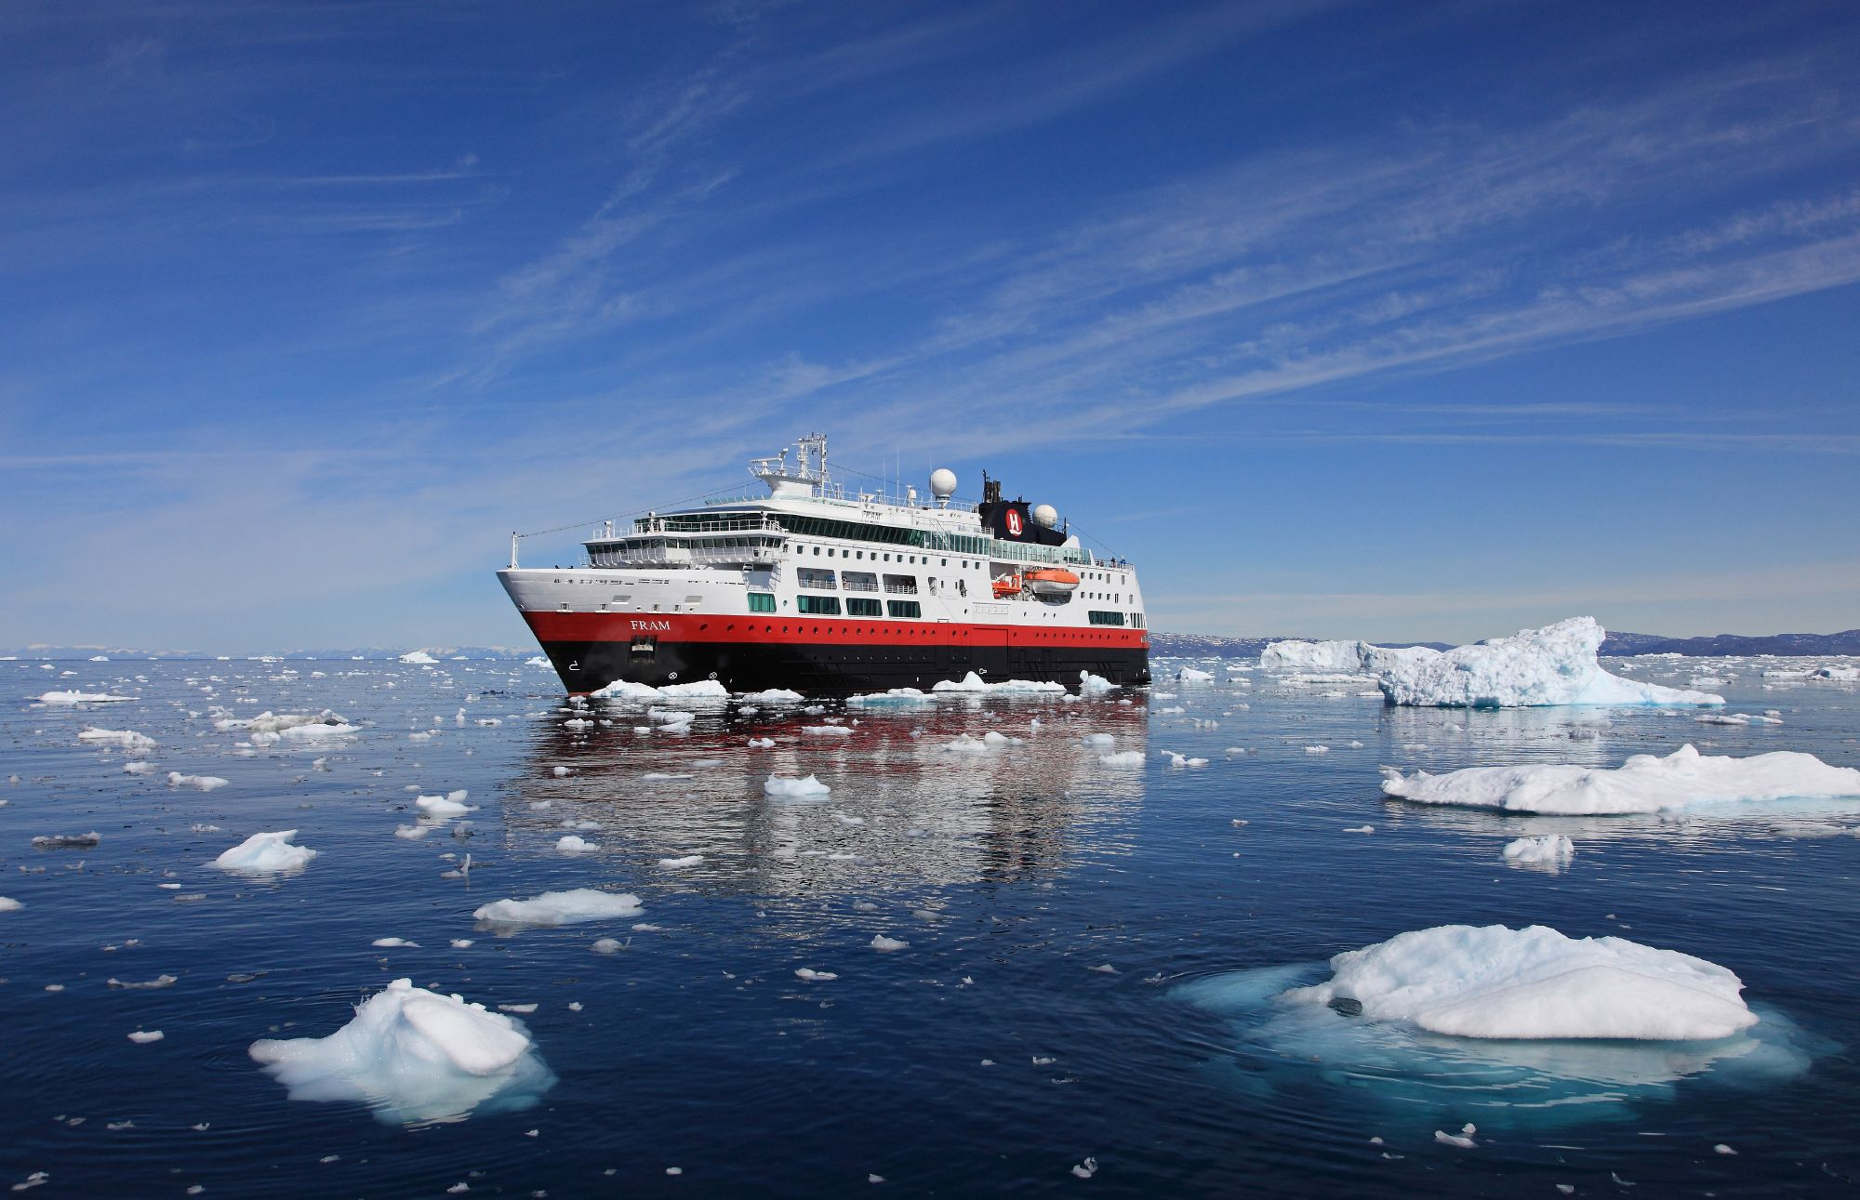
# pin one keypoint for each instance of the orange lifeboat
(1052, 581)
(1007, 585)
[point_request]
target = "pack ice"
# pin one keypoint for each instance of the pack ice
(415, 1056)
(1534, 983)
(1645, 783)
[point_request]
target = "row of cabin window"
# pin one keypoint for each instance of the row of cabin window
(877, 556)
(829, 606)
(856, 581)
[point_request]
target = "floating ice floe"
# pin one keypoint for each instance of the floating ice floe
(128, 739)
(414, 1056)
(1191, 675)
(1533, 983)
(574, 844)
(269, 727)
(761, 743)
(83, 698)
(204, 783)
(887, 945)
(973, 684)
(1550, 666)
(8, 904)
(773, 696)
(1645, 783)
(1094, 685)
(143, 1037)
(452, 804)
(266, 854)
(899, 697)
(680, 863)
(782, 786)
(560, 908)
(826, 731)
(419, 658)
(1123, 758)
(623, 689)
(1545, 852)
(139, 767)
(66, 841)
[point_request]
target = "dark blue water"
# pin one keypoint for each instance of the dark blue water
(1067, 924)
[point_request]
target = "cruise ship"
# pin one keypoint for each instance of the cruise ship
(821, 592)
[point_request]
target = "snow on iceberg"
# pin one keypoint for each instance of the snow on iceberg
(1645, 783)
(1313, 656)
(560, 908)
(1552, 665)
(1534, 983)
(415, 1057)
(266, 854)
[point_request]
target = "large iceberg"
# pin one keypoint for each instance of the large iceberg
(1552, 665)
(1313, 656)
(1496, 982)
(1645, 783)
(415, 1056)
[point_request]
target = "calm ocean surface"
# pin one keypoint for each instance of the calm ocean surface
(1090, 945)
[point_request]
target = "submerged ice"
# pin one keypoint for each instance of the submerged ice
(415, 1057)
(1645, 783)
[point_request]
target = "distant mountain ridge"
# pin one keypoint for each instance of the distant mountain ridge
(1846, 642)
(1623, 645)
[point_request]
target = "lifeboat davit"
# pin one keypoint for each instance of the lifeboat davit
(1052, 581)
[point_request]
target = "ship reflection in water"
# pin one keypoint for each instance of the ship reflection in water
(919, 795)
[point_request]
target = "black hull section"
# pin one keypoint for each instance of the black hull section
(834, 670)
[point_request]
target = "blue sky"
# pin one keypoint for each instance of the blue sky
(1420, 321)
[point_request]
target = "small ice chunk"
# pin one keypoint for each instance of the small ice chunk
(389, 943)
(1086, 1169)
(574, 844)
(452, 805)
(885, 945)
(66, 841)
(782, 786)
(1463, 1140)
(204, 783)
(65, 698)
(761, 743)
(266, 854)
(826, 730)
(8, 904)
(1549, 851)
(774, 696)
(607, 946)
(679, 864)
(143, 1037)
(813, 976)
(560, 908)
(139, 767)
(414, 1055)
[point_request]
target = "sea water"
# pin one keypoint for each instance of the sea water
(973, 965)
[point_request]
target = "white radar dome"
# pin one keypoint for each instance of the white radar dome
(1046, 514)
(942, 483)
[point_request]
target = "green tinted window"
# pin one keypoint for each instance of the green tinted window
(819, 606)
(858, 606)
(761, 602)
(904, 608)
